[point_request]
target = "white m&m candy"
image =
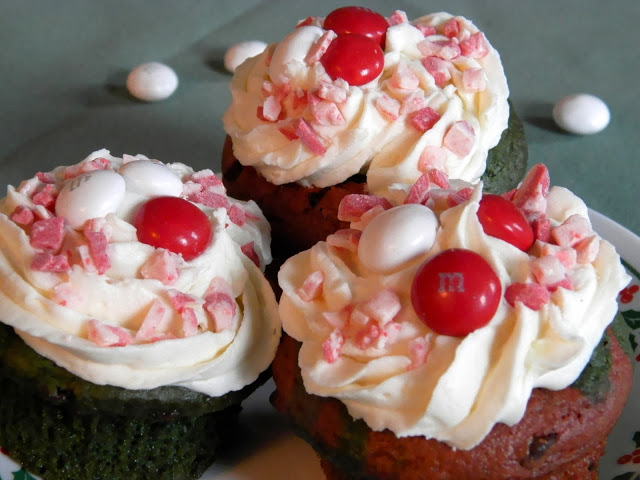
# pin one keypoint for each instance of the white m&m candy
(397, 236)
(150, 178)
(239, 52)
(152, 81)
(90, 195)
(582, 114)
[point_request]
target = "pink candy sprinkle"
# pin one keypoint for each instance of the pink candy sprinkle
(475, 46)
(206, 178)
(331, 346)
(451, 28)
(222, 308)
(418, 351)
(271, 109)
(48, 262)
(99, 250)
(367, 335)
(22, 215)
(459, 196)
(424, 119)
(541, 227)
(153, 320)
(326, 113)
(572, 231)
(237, 215)
(319, 48)
(404, 77)
(438, 69)
(387, 106)
(432, 157)
(530, 195)
(46, 177)
(47, 234)
(299, 99)
(98, 224)
(249, 250)
(460, 138)
(419, 192)
(382, 307)
(426, 30)
(397, 18)
(587, 249)
(334, 92)
(474, 80)
(354, 205)
(287, 128)
(309, 137)
(66, 295)
(531, 295)
(180, 300)
(548, 270)
(105, 335)
(162, 265)
(312, 286)
(347, 238)
(210, 198)
(46, 197)
(189, 322)
(444, 49)
(566, 256)
(413, 102)
(438, 177)
(338, 320)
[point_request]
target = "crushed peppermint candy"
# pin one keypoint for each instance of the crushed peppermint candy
(63, 251)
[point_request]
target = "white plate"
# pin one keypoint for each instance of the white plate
(265, 449)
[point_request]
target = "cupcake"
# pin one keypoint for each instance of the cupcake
(135, 318)
(459, 335)
(308, 124)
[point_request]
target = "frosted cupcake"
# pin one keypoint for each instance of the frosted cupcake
(459, 335)
(135, 318)
(328, 111)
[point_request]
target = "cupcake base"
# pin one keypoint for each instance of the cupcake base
(58, 426)
(561, 436)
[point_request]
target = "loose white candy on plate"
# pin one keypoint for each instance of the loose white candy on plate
(90, 195)
(396, 236)
(152, 81)
(239, 52)
(582, 114)
(150, 178)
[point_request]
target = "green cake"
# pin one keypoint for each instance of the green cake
(135, 319)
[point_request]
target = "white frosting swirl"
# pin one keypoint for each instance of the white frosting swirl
(368, 140)
(465, 385)
(52, 311)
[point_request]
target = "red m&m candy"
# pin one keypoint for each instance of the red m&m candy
(174, 224)
(455, 292)
(354, 58)
(502, 219)
(358, 20)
